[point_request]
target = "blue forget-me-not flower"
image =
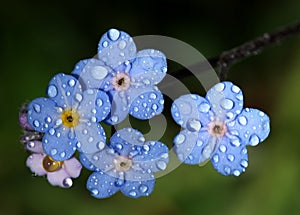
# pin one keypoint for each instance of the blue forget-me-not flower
(128, 76)
(218, 128)
(126, 164)
(69, 118)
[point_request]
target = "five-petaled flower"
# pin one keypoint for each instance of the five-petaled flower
(127, 164)
(69, 118)
(128, 76)
(59, 173)
(218, 128)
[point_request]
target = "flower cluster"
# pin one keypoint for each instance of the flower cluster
(105, 89)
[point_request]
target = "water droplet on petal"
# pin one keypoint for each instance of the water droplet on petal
(119, 146)
(122, 44)
(99, 72)
(114, 118)
(227, 170)
(261, 113)
(193, 125)
(37, 108)
(135, 109)
(230, 157)
(101, 145)
(254, 140)
(63, 154)
(67, 182)
(132, 193)
(154, 107)
(236, 172)
(119, 182)
(143, 188)
(113, 34)
(162, 165)
(216, 158)
(71, 83)
(90, 139)
(244, 163)
(51, 131)
(53, 152)
(146, 81)
(105, 44)
(78, 97)
(227, 104)
(222, 148)
(95, 192)
(235, 89)
(99, 102)
(52, 91)
(36, 123)
(180, 138)
(219, 87)
(204, 107)
(242, 120)
(153, 96)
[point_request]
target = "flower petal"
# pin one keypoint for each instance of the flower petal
(64, 90)
(149, 67)
(228, 159)
(35, 146)
(191, 112)
(91, 73)
(136, 189)
(147, 105)
(193, 147)
(95, 105)
(72, 167)
(101, 185)
(59, 143)
(252, 126)
(58, 178)
(91, 137)
(153, 157)
(226, 100)
(42, 114)
(86, 162)
(116, 47)
(35, 163)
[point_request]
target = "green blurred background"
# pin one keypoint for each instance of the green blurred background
(39, 39)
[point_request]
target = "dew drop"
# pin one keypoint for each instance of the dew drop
(179, 139)
(227, 104)
(222, 148)
(230, 157)
(48, 119)
(90, 139)
(161, 165)
(52, 91)
(244, 163)
(119, 182)
(37, 108)
(219, 87)
(243, 120)
(261, 113)
(67, 182)
(99, 102)
(146, 81)
(153, 96)
(63, 154)
(227, 170)
(254, 140)
(101, 145)
(154, 107)
(114, 119)
(216, 158)
(99, 72)
(113, 34)
(135, 109)
(193, 125)
(235, 89)
(143, 188)
(78, 97)
(122, 44)
(105, 44)
(95, 192)
(236, 172)
(71, 83)
(204, 107)
(119, 146)
(36, 123)
(53, 152)
(235, 142)
(85, 131)
(51, 131)
(132, 193)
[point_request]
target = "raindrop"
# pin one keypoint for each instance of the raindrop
(235, 142)
(261, 113)
(99, 72)
(78, 97)
(204, 107)
(179, 139)
(135, 109)
(239, 97)
(119, 182)
(105, 44)
(113, 34)
(71, 83)
(243, 120)
(227, 104)
(67, 182)
(122, 44)
(68, 93)
(132, 193)
(143, 188)
(219, 87)
(206, 152)
(230, 157)
(101, 145)
(227, 170)
(216, 158)
(85, 131)
(119, 146)
(236, 172)
(52, 91)
(164, 69)
(254, 140)
(37, 108)
(222, 148)
(48, 119)
(99, 102)
(199, 143)
(235, 89)
(154, 107)
(95, 192)
(146, 81)
(244, 163)
(161, 165)
(153, 96)
(63, 154)
(193, 125)
(36, 123)
(53, 152)
(114, 119)
(52, 131)
(90, 139)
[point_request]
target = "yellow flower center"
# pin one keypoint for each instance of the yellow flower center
(122, 164)
(70, 118)
(51, 165)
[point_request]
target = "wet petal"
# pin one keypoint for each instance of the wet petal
(42, 114)
(86, 162)
(91, 73)
(57, 178)
(72, 167)
(64, 90)
(191, 112)
(116, 47)
(149, 67)
(91, 137)
(59, 143)
(194, 147)
(95, 105)
(35, 146)
(136, 189)
(147, 104)
(226, 100)
(153, 157)
(252, 126)
(35, 163)
(101, 185)
(228, 159)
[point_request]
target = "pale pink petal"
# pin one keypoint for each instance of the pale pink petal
(73, 167)
(57, 178)
(35, 146)
(35, 163)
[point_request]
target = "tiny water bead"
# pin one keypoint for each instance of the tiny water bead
(51, 165)
(121, 81)
(122, 164)
(70, 118)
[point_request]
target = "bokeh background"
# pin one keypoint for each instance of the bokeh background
(39, 39)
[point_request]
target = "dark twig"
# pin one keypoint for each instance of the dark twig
(226, 59)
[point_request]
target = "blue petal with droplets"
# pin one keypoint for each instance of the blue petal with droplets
(94, 106)
(136, 189)
(228, 159)
(147, 104)
(86, 162)
(91, 137)
(42, 114)
(193, 147)
(59, 143)
(63, 90)
(191, 112)
(101, 185)
(153, 157)
(252, 126)
(91, 73)
(116, 47)
(149, 67)
(226, 100)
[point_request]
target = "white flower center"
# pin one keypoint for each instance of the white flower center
(121, 81)
(217, 128)
(122, 164)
